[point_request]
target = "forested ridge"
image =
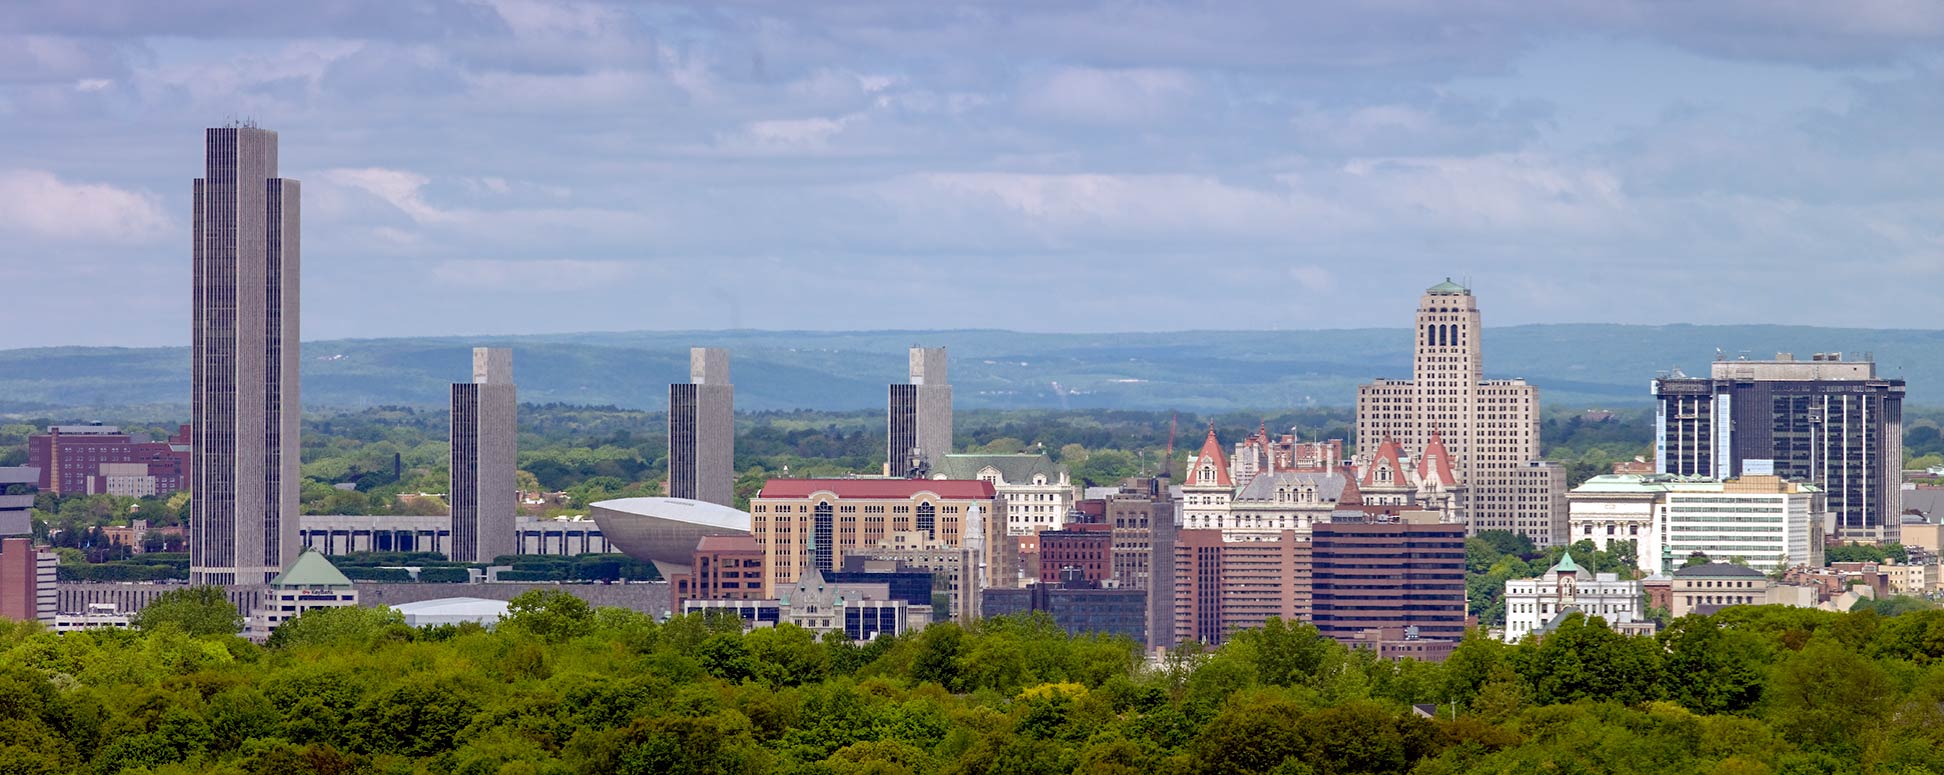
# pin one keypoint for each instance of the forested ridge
(559, 687)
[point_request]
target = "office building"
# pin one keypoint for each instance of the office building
(862, 611)
(1077, 606)
(1038, 492)
(1388, 574)
(702, 431)
(1490, 427)
(312, 582)
(1222, 585)
(1081, 552)
(806, 523)
(1710, 587)
(485, 459)
(1535, 606)
(919, 421)
(244, 357)
(1766, 521)
(911, 553)
(27, 578)
(1142, 513)
(1826, 420)
(335, 534)
(102, 459)
(725, 568)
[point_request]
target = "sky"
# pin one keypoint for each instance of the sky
(525, 166)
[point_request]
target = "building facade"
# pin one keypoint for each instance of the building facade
(725, 568)
(1038, 492)
(702, 431)
(27, 578)
(1829, 421)
(312, 582)
(1768, 522)
(862, 611)
(485, 458)
(806, 523)
(1223, 585)
(97, 459)
(1078, 607)
(1490, 427)
(1614, 507)
(1533, 606)
(1390, 574)
(919, 418)
(334, 535)
(244, 357)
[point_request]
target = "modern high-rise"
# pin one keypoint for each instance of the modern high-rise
(1388, 574)
(485, 459)
(702, 430)
(243, 520)
(1826, 420)
(920, 417)
(1490, 427)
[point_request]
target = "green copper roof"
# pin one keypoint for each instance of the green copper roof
(311, 570)
(1448, 288)
(1566, 564)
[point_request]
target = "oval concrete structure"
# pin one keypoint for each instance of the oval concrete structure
(664, 531)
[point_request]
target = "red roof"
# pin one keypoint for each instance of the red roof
(954, 489)
(1211, 453)
(1435, 454)
(1389, 456)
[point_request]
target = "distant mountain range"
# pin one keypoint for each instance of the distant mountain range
(1202, 371)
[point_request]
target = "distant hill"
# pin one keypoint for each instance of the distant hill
(1203, 371)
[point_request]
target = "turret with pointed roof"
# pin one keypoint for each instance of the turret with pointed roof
(1210, 466)
(1434, 466)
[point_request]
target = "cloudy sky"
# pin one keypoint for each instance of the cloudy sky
(514, 166)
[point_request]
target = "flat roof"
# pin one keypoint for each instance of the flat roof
(963, 489)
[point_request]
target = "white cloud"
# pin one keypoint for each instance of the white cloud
(40, 204)
(1095, 95)
(399, 188)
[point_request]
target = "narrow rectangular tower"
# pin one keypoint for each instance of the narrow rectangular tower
(919, 419)
(485, 457)
(702, 430)
(243, 520)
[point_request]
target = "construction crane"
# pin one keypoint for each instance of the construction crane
(1167, 461)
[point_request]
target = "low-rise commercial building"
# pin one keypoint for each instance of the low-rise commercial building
(98, 616)
(1710, 587)
(862, 611)
(1535, 606)
(309, 583)
(1078, 606)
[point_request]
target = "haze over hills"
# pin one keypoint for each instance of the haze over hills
(1575, 365)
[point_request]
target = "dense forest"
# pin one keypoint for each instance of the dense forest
(559, 688)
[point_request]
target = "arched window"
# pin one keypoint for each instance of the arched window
(928, 520)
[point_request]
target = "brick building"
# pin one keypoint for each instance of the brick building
(1221, 586)
(1391, 574)
(726, 567)
(96, 459)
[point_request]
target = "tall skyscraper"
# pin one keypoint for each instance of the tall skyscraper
(243, 521)
(1826, 420)
(485, 457)
(1490, 427)
(920, 416)
(702, 430)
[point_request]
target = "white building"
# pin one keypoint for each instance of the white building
(1037, 492)
(1614, 507)
(1536, 605)
(1766, 521)
(99, 616)
(861, 611)
(452, 610)
(311, 582)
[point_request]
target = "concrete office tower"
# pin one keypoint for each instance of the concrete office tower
(1826, 420)
(1490, 427)
(702, 431)
(243, 521)
(485, 456)
(920, 417)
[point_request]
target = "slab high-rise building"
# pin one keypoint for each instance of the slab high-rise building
(244, 356)
(485, 459)
(702, 430)
(920, 417)
(1490, 427)
(1826, 420)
